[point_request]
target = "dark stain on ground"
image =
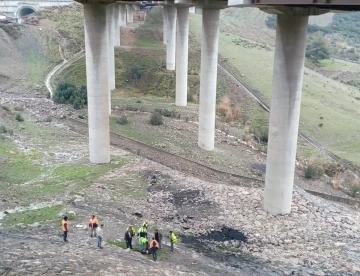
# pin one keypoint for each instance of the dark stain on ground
(208, 244)
(226, 234)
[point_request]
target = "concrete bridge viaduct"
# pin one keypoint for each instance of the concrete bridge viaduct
(102, 34)
(17, 9)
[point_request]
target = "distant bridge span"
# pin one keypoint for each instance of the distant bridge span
(18, 9)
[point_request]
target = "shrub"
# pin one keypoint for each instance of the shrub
(167, 112)
(224, 106)
(192, 97)
(19, 117)
(48, 95)
(337, 181)
(354, 187)
(156, 119)
(138, 101)
(3, 129)
(69, 93)
(123, 120)
(321, 125)
(310, 172)
(261, 133)
(81, 116)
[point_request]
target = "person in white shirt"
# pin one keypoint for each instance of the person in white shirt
(99, 234)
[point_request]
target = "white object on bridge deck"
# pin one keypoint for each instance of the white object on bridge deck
(111, 59)
(122, 11)
(96, 47)
(182, 45)
(208, 77)
(170, 37)
(285, 112)
(117, 25)
(129, 13)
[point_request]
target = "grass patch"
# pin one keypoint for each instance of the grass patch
(29, 217)
(322, 96)
(339, 65)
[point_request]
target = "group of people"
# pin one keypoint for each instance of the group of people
(144, 245)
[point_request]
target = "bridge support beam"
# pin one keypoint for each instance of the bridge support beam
(122, 11)
(96, 49)
(285, 112)
(111, 59)
(170, 37)
(117, 25)
(164, 25)
(182, 45)
(130, 13)
(208, 77)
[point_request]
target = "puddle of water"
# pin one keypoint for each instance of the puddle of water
(33, 206)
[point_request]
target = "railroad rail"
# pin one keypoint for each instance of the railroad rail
(171, 160)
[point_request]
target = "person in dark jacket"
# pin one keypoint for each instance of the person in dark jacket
(128, 239)
(158, 237)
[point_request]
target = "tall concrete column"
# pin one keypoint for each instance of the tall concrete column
(122, 11)
(111, 59)
(171, 37)
(117, 25)
(208, 77)
(285, 112)
(164, 25)
(130, 13)
(182, 45)
(96, 48)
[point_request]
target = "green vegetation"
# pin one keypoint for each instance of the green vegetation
(19, 117)
(322, 97)
(69, 93)
(317, 49)
(123, 120)
(29, 217)
(334, 65)
(167, 112)
(156, 119)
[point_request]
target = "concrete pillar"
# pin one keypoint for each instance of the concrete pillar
(130, 13)
(117, 25)
(208, 77)
(182, 44)
(96, 48)
(122, 11)
(111, 59)
(164, 25)
(171, 37)
(285, 112)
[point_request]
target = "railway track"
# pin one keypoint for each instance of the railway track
(329, 154)
(171, 160)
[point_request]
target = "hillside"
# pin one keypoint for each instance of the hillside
(325, 101)
(211, 200)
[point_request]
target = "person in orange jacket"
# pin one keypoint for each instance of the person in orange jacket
(65, 227)
(93, 224)
(153, 248)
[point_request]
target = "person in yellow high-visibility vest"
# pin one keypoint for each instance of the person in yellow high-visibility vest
(173, 240)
